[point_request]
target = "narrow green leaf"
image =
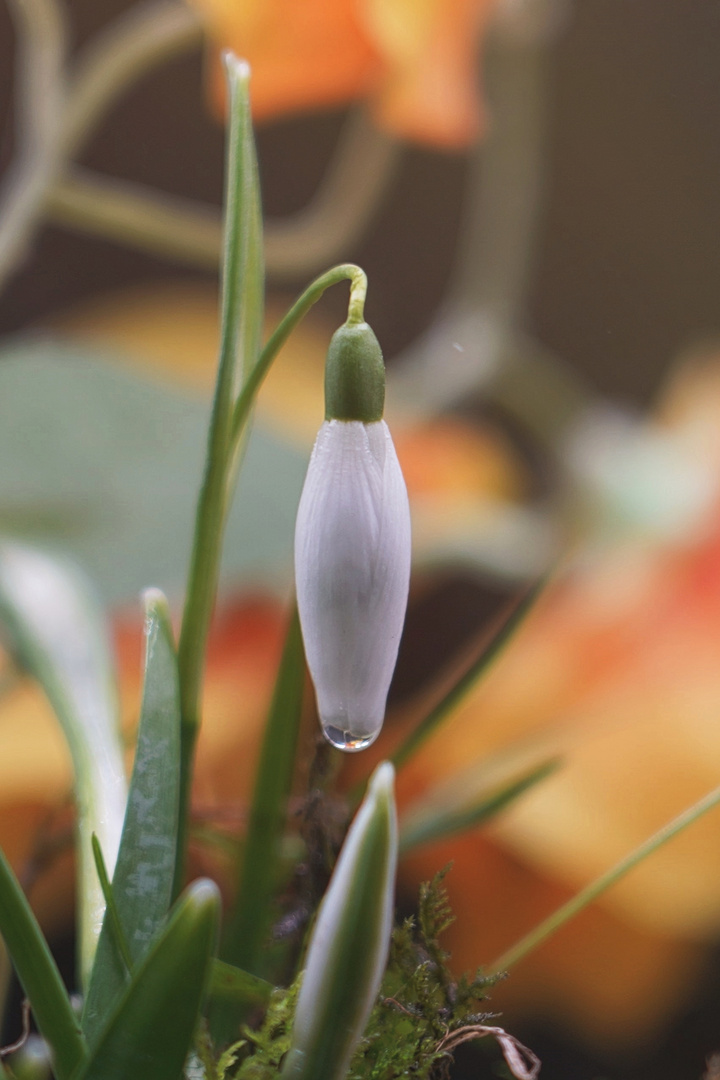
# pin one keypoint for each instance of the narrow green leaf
(430, 823)
(596, 888)
(249, 283)
(248, 925)
(461, 686)
(231, 983)
(241, 323)
(111, 911)
(149, 1034)
(59, 635)
(39, 975)
(143, 879)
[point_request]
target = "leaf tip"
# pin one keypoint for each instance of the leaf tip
(236, 68)
(203, 894)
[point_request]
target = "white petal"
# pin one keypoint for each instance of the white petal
(352, 567)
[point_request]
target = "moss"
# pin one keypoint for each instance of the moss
(420, 1003)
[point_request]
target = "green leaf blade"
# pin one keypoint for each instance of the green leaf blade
(248, 924)
(429, 823)
(39, 975)
(240, 332)
(143, 880)
(150, 1033)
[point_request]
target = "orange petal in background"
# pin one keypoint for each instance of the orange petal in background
(303, 55)
(430, 91)
(414, 60)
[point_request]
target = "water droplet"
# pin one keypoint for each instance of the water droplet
(346, 740)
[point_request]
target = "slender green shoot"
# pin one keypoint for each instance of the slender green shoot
(148, 1033)
(596, 888)
(431, 824)
(111, 907)
(245, 938)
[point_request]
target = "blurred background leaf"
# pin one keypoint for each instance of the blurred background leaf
(108, 465)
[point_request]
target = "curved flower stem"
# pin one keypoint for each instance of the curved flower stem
(40, 32)
(228, 428)
(595, 889)
(358, 289)
(135, 42)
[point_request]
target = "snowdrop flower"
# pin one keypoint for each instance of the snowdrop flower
(348, 950)
(352, 546)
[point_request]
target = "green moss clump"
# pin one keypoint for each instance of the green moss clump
(420, 1004)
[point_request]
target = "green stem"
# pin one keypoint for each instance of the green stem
(39, 975)
(592, 891)
(242, 367)
(358, 290)
(212, 508)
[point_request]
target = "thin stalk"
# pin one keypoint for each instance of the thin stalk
(247, 933)
(595, 889)
(212, 509)
(358, 289)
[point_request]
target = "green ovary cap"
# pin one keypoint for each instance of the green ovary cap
(354, 375)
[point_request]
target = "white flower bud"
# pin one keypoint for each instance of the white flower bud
(352, 568)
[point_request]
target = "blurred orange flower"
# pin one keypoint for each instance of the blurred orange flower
(414, 60)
